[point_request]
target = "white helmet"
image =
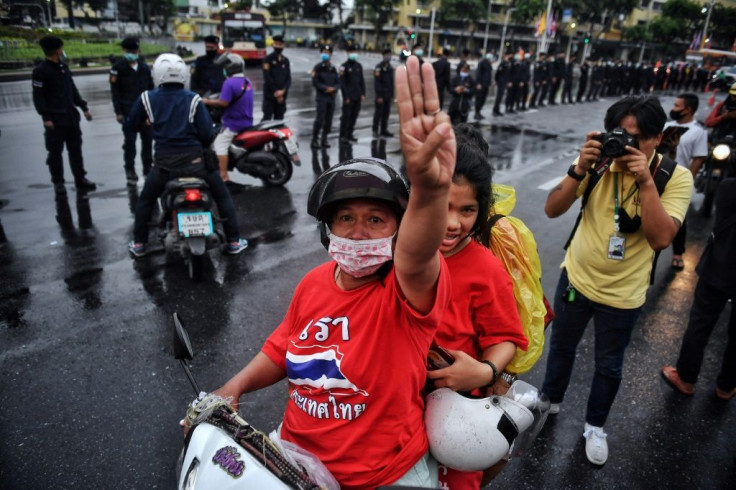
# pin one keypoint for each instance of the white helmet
(472, 434)
(169, 68)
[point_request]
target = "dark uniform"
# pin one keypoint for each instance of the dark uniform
(206, 76)
(483, 80)
(540, 83)
(462, 95)
(276, 76)
(383, 79)
(56, 99)
(324, 77)
(353, 92)
(502, 78)
(442, 77)
(567, 85)
(557, 70)
(126, 84)
(583, 81)
(512, 86)
(525, 76)
(596, 82)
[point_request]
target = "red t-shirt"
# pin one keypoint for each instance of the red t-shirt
(356, 364)
(482, 313)
(483, 310)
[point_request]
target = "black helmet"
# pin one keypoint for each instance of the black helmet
(369, 178)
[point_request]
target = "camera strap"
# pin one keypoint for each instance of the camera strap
(661, 170)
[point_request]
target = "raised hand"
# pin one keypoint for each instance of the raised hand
(427, 138)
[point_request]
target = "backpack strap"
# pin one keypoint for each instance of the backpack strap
(592, 181)
(494, 219)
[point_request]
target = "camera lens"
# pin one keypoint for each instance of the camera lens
(613, 148)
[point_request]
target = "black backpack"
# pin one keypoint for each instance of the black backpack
(660, 175)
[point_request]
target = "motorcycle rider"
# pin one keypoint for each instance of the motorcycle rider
(236, 100)
(365, 425)
(181, 129)
(723, 117)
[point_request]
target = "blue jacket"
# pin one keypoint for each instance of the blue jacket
(179, 120)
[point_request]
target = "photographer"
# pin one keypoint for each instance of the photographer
(606, 270)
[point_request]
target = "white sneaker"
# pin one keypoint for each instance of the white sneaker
(596, 446)
(554, 408)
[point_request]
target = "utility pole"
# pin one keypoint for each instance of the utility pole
(707, 21)
(488, 22)
(502, 48)
(646, 31)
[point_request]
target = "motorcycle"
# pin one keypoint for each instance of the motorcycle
(266, 151)
(190, 222)
(720, 161)
(222, 451)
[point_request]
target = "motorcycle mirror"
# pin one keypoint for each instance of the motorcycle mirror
(182, 345)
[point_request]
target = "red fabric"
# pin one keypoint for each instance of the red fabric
(482, 313)
(483, 310)
(366, 422)
(459, 480)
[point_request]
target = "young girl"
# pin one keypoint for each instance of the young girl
(481, 327)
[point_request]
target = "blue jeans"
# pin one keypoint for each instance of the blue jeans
(155, 185)
(613, 327)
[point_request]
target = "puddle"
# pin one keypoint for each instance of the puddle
(512, 148)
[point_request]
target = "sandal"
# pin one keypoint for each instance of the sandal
(725, 395)
(678, 264)
(669, 373)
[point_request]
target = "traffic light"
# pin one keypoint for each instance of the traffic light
(586, 39)
(411, 34)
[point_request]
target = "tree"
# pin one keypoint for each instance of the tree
(380, 13)
(286, 10)
(722, 26)
(465, 11)
(601, 15)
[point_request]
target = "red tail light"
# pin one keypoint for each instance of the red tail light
(192, 195)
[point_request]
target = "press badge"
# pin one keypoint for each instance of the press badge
(616, 247)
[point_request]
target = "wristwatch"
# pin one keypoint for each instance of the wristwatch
(571, 172)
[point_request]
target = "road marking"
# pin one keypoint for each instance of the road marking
(550, 184)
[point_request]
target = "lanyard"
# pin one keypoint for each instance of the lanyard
(616, 215)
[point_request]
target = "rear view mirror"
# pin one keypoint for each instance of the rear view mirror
(182, 345)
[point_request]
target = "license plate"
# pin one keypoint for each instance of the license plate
(195, 224)
(290, 146)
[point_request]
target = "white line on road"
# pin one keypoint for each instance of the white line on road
(550, 184)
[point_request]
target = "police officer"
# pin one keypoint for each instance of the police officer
(462, 95)
(129, 78)
(326, 82)
(557, 70)
(56, 99)
(442, 74)
(514, 82)
(502, 79)
(276, 81)
(540, 81)
(524, 77)
(383, 80)
(207, 77)
(483, 80)
(353, 94)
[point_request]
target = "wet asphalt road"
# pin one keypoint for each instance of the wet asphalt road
(91, 396)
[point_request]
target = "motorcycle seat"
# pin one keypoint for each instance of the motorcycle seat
(266, 125)
(185, 183)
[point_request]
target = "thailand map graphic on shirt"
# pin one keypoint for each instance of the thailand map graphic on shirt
(318, 367)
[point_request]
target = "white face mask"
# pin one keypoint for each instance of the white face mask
(360, 258)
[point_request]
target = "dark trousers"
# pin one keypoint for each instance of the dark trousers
(348, 117)
(381, 113)
(523, 95)
(613, 327)
(55, 139)
(323, 120)
(567, 92)
(155, 185)
(582, 84)
(554, 89)
(480, 99)
(500, 90)
(459, 108)
(707, 307)
(146, 148)
(273, 109)
(441, 93)
(678, 243)
(512, 94)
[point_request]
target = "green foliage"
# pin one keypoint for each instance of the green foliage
(465, 10)
(665, 29)
(529, 11)
(17, 49)
(686, 12)
(722, 26)
(636, 33)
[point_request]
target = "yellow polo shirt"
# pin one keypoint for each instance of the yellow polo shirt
(619, 283)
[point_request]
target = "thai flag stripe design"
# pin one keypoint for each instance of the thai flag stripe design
(318, 369)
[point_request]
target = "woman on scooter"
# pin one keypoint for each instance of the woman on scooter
(354, 341)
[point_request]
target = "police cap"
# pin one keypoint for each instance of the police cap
(278, 39)
(212, 39)
(131, 43)
(326, 47)
(50, 43)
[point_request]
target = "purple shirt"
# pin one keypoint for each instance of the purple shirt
(238, 116)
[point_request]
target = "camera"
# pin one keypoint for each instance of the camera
(614, 143)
